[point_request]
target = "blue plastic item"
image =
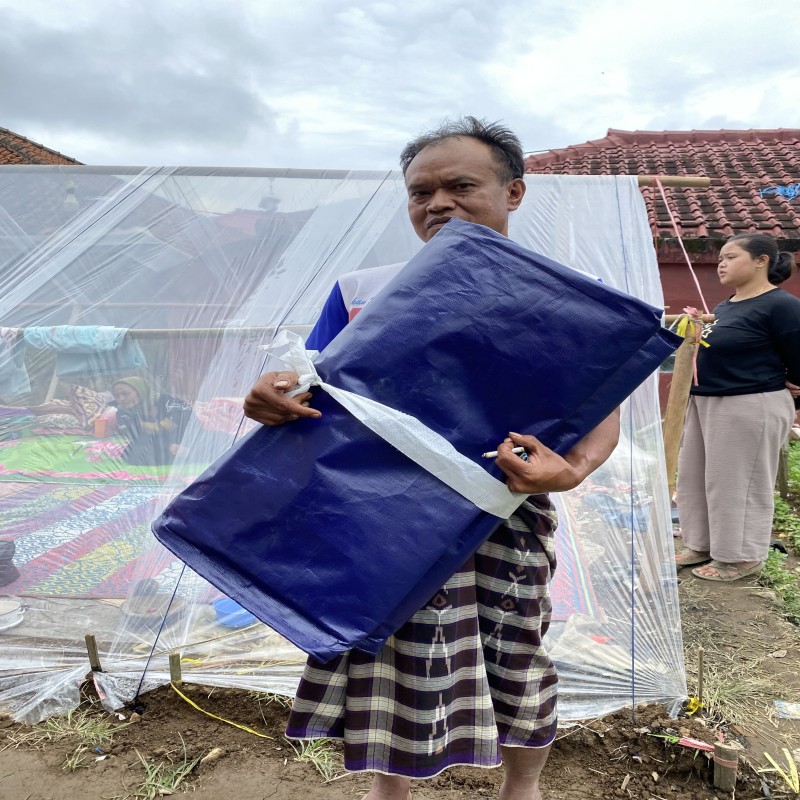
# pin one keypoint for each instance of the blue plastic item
(231, 614)
(334, 538)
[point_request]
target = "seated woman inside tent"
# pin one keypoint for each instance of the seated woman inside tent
(153, 422)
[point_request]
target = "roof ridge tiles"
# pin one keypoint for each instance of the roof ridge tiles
(739, 164)
(28, 151)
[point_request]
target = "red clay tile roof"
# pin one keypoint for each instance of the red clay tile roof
(740, 164)
(16, 149)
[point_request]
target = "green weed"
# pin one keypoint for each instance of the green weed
(775, 576)
(76, 760)
(271, 698)
(321, 755)
(163, 779)
(89, 729)
(786, 523)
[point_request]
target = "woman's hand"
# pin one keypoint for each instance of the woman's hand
(267, 402)
(795, 390)
(544, 471)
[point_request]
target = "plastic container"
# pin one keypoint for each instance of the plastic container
(231, 614)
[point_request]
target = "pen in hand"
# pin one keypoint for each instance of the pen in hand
(494, 454)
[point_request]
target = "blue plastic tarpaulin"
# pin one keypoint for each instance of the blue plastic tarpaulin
(335, 538)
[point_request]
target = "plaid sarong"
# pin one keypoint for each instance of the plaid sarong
(465, 674)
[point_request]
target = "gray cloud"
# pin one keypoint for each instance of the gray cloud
(139, 79)
(335, 83)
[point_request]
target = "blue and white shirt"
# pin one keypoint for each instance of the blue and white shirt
(349, 295)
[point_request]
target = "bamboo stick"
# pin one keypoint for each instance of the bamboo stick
(782, 482)
(701, 652)
(676, 404)
(60, 304)
(676, 181)
(671, 319)
(154, 333)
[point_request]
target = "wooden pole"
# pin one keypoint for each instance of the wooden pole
(182, 333)
(91, 649)
(671, 319)
(676, 404)
(726, 764)
(156, 333)
(701, 652)
(175, 669)
(676, 181)
(783, 472)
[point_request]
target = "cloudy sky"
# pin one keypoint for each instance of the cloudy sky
(339, 84)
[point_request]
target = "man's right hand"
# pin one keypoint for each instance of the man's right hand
(267, 402)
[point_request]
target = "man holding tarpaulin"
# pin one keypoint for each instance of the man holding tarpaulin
(465, 680)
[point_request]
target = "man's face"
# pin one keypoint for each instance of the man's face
(458, 178)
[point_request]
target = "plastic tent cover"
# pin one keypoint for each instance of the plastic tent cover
(174, 279)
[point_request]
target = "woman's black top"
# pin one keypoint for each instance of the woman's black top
(754, 346)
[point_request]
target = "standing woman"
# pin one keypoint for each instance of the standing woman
(739, 414)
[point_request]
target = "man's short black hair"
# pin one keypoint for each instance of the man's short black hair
(505, 146)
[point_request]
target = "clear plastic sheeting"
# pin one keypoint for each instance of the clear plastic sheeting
(616, 631)
(136, 305)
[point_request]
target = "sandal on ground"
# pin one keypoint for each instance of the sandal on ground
(726, 573)
(687, 557)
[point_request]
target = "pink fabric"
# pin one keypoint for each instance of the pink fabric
(222, 414)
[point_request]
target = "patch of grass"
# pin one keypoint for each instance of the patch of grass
(734, 689)
(89, 729)
(786, 523)
(161, 778)
(321, 755)
(786, 520)
(794, 468)
(784, 583)
(270, 698)
(76, 760)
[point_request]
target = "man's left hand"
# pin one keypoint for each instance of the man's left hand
(544, 471)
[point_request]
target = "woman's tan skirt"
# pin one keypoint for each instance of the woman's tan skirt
(726, 472)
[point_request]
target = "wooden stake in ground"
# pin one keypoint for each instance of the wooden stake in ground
(175, 669)
(726, 764)
(700, 666)
(782, 483)
(91, 649)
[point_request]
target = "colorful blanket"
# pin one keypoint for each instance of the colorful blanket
(65, 458)
(572, 590)
(80, 517)
(77, 540)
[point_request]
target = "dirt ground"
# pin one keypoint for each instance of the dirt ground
(751, 656)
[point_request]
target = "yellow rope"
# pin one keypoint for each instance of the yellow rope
(214, 716)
